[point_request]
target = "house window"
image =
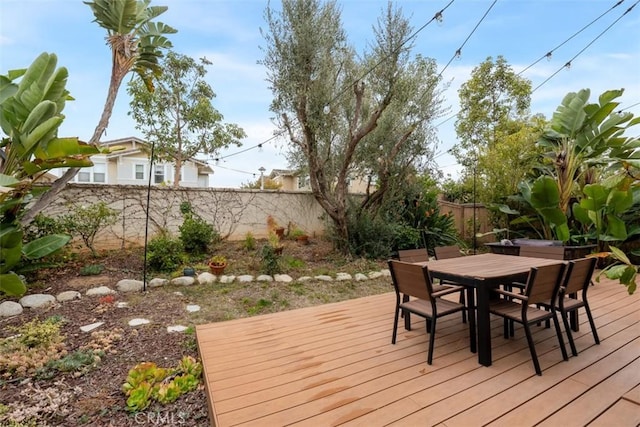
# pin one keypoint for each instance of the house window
(84, 176)
(303, 182)
(99, 174)
(158, 174)
(139, 172)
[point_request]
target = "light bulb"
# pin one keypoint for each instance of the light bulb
(548, 55)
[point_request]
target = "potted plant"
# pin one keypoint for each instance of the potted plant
(217, 264)
(300, 236)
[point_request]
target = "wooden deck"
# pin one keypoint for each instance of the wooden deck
(335, 365)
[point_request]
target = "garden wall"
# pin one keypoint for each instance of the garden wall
(463, 217)
(233, 212)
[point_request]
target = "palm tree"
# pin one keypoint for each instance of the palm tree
(136, 44)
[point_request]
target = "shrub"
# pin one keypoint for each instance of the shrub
(249, 242)
(195, 233)
(270, 261)
(87, 221)
(370, 237)
(164, 253)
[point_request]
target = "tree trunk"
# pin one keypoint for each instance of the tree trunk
(57, 186)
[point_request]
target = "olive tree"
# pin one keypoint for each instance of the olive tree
(349, 116)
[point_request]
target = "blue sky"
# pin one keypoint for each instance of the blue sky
(227, 32)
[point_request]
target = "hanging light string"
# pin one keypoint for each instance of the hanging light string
(552, 50)
(549, 53)
(568, 64)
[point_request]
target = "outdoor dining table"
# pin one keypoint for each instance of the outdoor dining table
(483, 273)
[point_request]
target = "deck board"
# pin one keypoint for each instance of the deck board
(335, 365)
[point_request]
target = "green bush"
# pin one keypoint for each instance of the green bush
(270, 261)
(249, 242)
(87, 221)
(195, 233)
(164, 253)
(370, 237)
(91, 269)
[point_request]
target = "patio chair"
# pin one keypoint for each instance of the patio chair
(576, 281)
(413, 280)
(446, 252)
(543, 284)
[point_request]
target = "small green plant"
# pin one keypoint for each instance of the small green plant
(218, 260)
(249, 242)
(35, 344)
(195, 233)
(87, 221)
(79, 363)
(269, 263)
(147, 382)
(91, 269)
(164, 253)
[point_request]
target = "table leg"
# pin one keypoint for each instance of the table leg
(484, 326)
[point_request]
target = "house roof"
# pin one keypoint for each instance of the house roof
(203, 166)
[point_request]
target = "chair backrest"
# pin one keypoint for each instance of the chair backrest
(413, 255)
(411, 279)
(544, 283)
(579, 273)
(549, 252)
(445, 252)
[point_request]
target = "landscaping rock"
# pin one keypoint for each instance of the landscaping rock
(127, 285)
(343, 276)
(304, 278)
(360, 277)
(176, 328)
(245, 278)
(68, 296)
(91, 327)
(385, 272)
(206, 278)
(264, 278)
(227, 279)
(183, 281)
(37, 300)
(138, 322)
(156, 282)
(10, 308)
(100, 291)
(122, 304)
(284, 278)
(324, 278)
(375, 275)
(192, 308)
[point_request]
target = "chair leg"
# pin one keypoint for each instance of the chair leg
(406, 315)
(462, 301)
(591, 322)
(395, 325)
(532, 349)
(563, 349)
(567, 328)
(432, 340)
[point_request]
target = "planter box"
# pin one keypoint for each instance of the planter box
(570, 252)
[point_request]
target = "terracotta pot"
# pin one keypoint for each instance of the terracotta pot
(217, 269)
(303, 240)
(279, 232)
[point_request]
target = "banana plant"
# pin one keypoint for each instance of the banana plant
(30, 115)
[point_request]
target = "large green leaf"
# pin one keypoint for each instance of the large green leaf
(619, 201)
(7, 181)
(597, 197)
(45, 245)
(616, 227)
(10, 236)
(581, 214)
(9, 258)
(544, 193)
(12, 285)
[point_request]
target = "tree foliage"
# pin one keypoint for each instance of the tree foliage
(136, 41)
(346, 115)
(178, 116)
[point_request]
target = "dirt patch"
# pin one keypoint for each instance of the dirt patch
(95, 397)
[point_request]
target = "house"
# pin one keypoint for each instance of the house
(130, 166)
(290, 180)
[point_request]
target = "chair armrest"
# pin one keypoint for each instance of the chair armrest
(451, 290)
(510, 294)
